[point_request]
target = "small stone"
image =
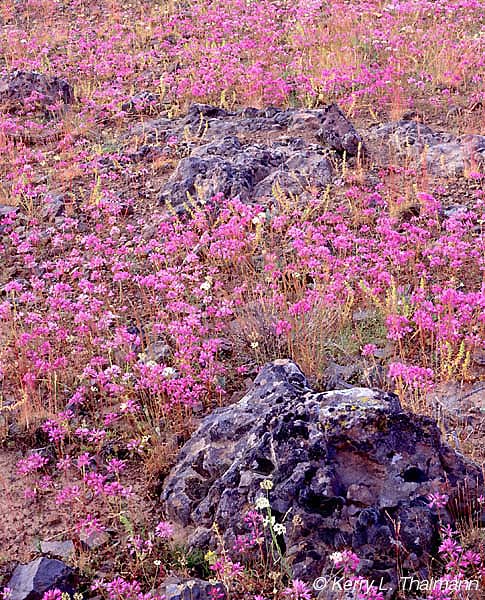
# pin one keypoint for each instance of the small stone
(94, 540)
(478, 358)
(358, 316)
(64, 549)
(144, 102)
(54, 206)
(197, 111)
(175, 588)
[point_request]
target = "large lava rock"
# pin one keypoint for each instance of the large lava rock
(31, 581)
(249, 171)
(347, 466)
(21, 86)
(440, 153)
(252, 152)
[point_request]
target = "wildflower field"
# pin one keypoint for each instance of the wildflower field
(123, 323)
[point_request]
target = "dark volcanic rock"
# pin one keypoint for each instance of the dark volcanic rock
(199, 112)
(228, 167)
(223, 167)
(346, 465)
(249, 153)
(339, 133)
(439, 152)
(53, 206)
(31, 581)
(406, 133)
(144, 102)
(20, 86)
(304, 169)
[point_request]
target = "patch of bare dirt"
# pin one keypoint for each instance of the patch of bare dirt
(25, 522)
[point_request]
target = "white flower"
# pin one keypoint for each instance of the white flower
(266, 484)
(254, 345)
(336, 557)
(269, 521)
(169, 372)
(279, 529)
(206, 286)
(262, 502)
(259, 218)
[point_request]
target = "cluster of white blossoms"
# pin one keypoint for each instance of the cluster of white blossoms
(336, 557)
(278, 528)
(262, 503)
(207, 284)
(169, 372)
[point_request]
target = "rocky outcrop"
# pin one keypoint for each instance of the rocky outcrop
(28, 87)
(347, 467)
(249, 171)
(252, 153)
(440, 153)
(31, 581)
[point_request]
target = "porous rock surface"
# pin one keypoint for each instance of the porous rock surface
(248, 154)
(20, 86)
(346, 466)
(339, 133)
